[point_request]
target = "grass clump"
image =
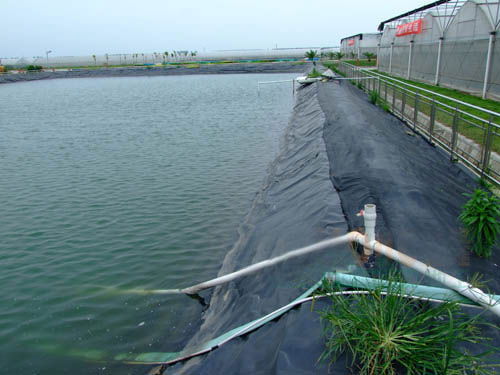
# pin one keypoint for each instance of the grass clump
(333, 67)
(384, 333)
(385, 107)
(360, 85)
(374, 97)
(314, 74)
(480, 218)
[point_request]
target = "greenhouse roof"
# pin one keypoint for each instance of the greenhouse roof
(444, 10)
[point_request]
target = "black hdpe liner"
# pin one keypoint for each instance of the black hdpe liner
(298, 206)
(371, 159)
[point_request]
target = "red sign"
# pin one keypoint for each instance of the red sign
(350, 42)
(414, 27)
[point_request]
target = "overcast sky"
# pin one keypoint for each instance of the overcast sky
(72, 28)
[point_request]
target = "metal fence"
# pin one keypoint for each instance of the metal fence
(469, 133)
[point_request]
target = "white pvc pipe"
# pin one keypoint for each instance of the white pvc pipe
(368, 241)
(267, 263)
(370, 216)
(266, 82)
(438, 64)
(488, 63)
(465, 289)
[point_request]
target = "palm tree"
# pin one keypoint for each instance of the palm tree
(143, 58)
(369, 56)
(165, 55)
(95, 59)
(339, 55)
(107, 59)
(311, 55)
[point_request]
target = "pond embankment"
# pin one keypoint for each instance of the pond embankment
(140, 71)
(339, 153)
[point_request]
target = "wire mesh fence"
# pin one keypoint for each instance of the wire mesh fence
(469, 133)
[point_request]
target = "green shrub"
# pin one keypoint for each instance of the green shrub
(360, 85)
(388, 334)
(31, 68)
(480, 219)
(374, 97)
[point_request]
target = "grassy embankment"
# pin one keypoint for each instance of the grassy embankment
(465, 128)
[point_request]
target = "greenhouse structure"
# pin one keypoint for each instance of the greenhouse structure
(356, 46)
(447, 43)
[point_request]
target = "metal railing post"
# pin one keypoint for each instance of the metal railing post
(403, 104)
(415, 112)
(385, 92)
(486, 153)
(379, 87)
(393, 97)
(454, 135)
(433, 119)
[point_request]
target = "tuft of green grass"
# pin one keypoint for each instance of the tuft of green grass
(334, 68)
(374, 97)
(360, 85)
(385, 333)
(314, 74)
(385, 107)
(480, 218)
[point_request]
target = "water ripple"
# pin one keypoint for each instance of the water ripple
(120, 183)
